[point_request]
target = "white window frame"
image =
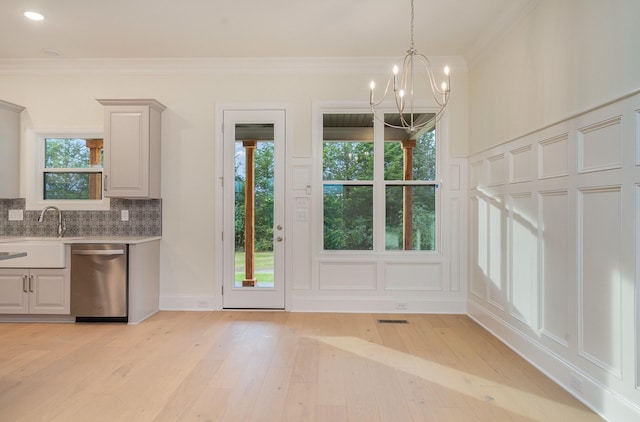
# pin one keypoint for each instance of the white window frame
(35, 173)
(319, 109)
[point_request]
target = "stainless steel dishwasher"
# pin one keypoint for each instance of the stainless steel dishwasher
(99, 282)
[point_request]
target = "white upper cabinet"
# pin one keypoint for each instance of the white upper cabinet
(132, 148)
(9, 150)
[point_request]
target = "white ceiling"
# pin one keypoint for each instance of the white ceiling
(252, 28)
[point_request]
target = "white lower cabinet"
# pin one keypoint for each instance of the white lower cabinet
(35, 291)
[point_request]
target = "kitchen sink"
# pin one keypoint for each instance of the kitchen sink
(42, 252)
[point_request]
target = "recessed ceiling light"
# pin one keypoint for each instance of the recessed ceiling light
(34, 16)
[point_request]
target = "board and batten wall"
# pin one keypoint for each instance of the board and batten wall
(554, 224)
(553, 195)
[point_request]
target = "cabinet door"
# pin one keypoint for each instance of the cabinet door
(126, 151)
(49, 291)
(14, 296)
(9, 150)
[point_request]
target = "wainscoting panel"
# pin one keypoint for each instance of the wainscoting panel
(553, 159)
(455, 173)
(637, 142)
(348, 275)
(478, 268)
(476, 174)
(553, 237)
(456, 228)
(600, 306)
(556, 270)
(600, 146)
(521, 164)
(497, 171)
(404, 276)
(523, 278)
(497, 294)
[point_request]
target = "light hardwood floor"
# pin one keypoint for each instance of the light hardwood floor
(272, 366)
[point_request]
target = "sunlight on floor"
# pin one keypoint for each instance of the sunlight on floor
(508, 398)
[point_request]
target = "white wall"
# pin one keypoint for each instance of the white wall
(60, 95)
(553, 267)
(565, 57)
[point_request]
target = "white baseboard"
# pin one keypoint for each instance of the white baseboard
(187, 303)
(444, 305)
(601, 399)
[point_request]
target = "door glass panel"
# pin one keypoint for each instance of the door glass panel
(254, 206)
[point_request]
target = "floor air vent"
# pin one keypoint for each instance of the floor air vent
(393, 321)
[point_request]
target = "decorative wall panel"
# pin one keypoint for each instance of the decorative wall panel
(454, 177)
(348, 275)
(553, 157)
(478, 246)
(583, 321)
(600, 146)
(600, 307)
(521, 165)
(497, 236)
(553, 236)
(637, 138)
(404, 276)
(476, 174)
(496, 168)
(455, 245)
(523, 249)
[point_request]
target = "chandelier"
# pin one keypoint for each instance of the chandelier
(403, 90)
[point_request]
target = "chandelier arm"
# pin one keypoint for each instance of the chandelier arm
(406, 86)
(441, 97)
(375, 115)
(432, 79)
(384, 95)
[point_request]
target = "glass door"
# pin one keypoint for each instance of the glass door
(254, 235)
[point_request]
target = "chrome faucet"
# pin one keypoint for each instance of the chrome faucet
(61, 225)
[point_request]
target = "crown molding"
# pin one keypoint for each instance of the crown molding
(298, 65)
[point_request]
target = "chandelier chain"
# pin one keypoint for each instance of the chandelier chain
(411, 46)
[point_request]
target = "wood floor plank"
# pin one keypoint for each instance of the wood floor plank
(301, 402)
(273, 366)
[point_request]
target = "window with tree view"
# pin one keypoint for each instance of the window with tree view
(72, 169)
(376, 173)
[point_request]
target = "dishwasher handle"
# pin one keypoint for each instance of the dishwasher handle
(98, 252)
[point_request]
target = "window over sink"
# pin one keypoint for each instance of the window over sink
(68, 172)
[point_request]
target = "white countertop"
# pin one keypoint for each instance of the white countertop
(131, 240)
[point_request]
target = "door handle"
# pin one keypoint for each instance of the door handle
(98, 252)
(24, 283)
(279, 239)
(31, 283)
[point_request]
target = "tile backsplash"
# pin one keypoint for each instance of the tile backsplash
(145, 219)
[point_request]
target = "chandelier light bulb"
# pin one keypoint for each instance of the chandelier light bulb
(447, 70)
(395, 69)
(372, 85)
(401, 93)
(444, 86)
